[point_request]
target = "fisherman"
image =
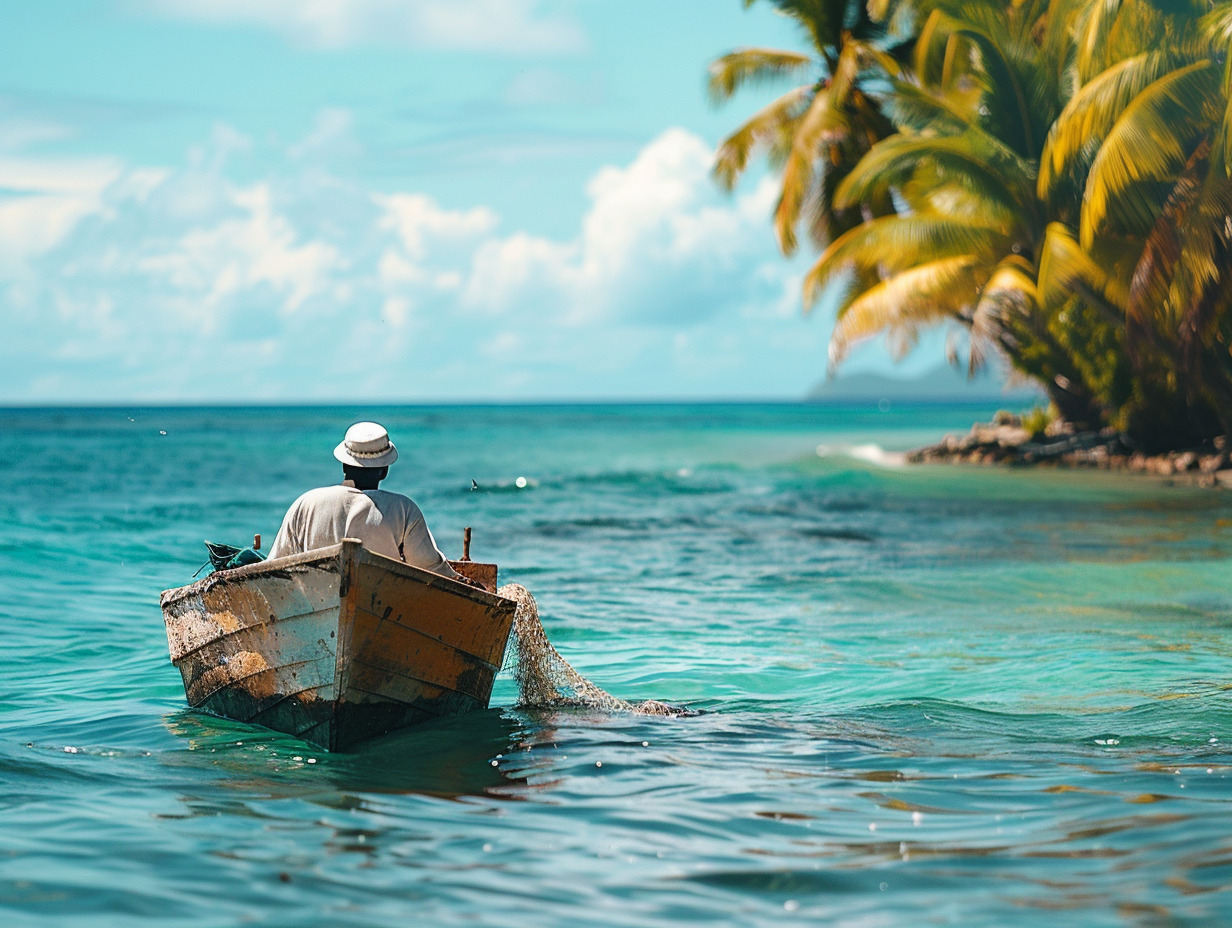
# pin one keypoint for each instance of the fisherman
(387, 523)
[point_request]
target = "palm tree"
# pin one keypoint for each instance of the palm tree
(964, 245)
(1145, 142)
(1058, 181)
(816, 132)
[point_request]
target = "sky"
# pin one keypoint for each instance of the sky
(389, 200)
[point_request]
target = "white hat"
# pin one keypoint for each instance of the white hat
(366, 445)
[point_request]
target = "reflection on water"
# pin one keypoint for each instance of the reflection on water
(447, 759)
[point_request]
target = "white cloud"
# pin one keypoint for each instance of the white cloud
(256, 250)
(299, 284)
(41, 201)
(420, 223)
(658, 243)
(523, 268)
(521, 27)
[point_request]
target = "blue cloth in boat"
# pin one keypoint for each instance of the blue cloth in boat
(225, 557)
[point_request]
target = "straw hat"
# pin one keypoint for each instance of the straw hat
(366, 444)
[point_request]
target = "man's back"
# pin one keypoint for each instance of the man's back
(387, 523)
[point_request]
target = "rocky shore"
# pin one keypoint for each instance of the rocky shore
(1006, 441)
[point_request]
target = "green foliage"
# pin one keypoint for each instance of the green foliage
(817, 132)
(1037, 419)
(1054, 176)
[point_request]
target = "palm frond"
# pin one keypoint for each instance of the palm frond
(826, 20)
(1001, 73)
(893, 244)
(822, 125)
(901, 305)
(1108, 31)
(931, 191)
(734, 70)
(933, 35)
(974, 160)
(1222, 153)
(1200, 207)
(1150, 142)
(1092, 112)
(879, 9)
(1010, 291)
(772, 128)
(1065, 268)
(1217, 24)
(1154, 277)
(995, 48)
(1091, 34)
(1216, 27)
(918, 109)
(826, 220)
(1057, 45)
(846, 69)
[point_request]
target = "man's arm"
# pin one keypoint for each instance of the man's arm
(285, 542)
(419, 548)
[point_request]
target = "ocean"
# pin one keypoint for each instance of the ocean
(928, 695)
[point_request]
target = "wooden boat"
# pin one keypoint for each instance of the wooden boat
(339, 644)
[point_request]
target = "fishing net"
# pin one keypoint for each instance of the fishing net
(546, 680)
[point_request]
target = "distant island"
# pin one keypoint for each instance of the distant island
(944, 384)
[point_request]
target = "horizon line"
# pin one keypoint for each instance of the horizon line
(848, 401)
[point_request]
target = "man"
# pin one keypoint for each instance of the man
(387, 523)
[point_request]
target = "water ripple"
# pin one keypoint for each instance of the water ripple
(932, 695)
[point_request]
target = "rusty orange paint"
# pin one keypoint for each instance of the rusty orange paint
(336, 645)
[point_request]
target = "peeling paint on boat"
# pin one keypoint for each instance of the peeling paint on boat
(338, 645)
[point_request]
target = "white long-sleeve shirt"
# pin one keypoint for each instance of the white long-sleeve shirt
(387, 523)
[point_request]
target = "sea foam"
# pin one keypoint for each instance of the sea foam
(868, 453)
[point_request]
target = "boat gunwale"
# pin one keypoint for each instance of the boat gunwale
(330, 558)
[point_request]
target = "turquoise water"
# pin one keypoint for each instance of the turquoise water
(940, 695)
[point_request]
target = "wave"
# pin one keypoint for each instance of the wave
(868, 453)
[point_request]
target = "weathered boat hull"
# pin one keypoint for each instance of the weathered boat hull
(337, 645)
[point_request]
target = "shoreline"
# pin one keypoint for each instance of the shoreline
(1005, 442)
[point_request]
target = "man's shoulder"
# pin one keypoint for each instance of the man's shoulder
(387, 500)
(322, 495)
